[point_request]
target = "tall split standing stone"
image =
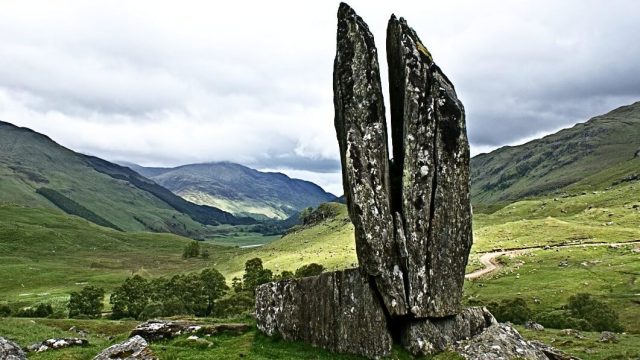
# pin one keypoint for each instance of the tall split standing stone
(412, 215)
(431, 156)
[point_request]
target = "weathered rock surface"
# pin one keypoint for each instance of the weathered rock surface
(55, 344)
(10, 350)
(500, 341)
(362, 137)
(135, 348)
(431, 336)
(337, 311)
(153, 330)
(431, 188)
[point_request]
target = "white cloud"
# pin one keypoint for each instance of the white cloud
(167, 83)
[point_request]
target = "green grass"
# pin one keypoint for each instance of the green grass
(611, 274)
(47, 254)
(588, 348)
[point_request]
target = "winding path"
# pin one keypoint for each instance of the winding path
(490, 264)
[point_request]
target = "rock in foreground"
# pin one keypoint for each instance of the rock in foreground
(135, 348)
(431, 336)
(10, 350)
(337, 311)
(55, 344)
(499, 341)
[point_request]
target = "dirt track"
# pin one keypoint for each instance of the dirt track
(490, 264)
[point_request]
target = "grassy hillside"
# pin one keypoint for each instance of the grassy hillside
(30, 161)
(589, 155)
(46, 254)
(239, 189)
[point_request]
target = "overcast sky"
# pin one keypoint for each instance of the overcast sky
(164, 83)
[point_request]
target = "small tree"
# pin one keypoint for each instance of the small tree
(191, 250)
(215, 285)
(236, 284)
(130, 298)
(312, 269)
(87, 302)
(304, 215)
(255, 274)
(205, 254)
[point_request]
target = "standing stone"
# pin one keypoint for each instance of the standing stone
(362, 137)
(337, 311)
(431, 187)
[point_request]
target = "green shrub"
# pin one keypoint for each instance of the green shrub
(582, 312)
(512, 310)
(598, 314)
(192, 250)
(562, 319)
(235, 304)
(312, 269)
(5, 310)
(41, 310)
(87, 302)
(130, 298)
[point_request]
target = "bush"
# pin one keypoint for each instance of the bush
(5, 310)
(312, 269)
(192, 250)
(598, 314)
(40, 311)
(235, 304)
(513, 310)
(582, 312)
(87, 302)
(561, 319)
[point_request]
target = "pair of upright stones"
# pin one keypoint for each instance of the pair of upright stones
(412, 215)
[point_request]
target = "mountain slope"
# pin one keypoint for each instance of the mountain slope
(239, 189)
(589, 155)
(37, 172)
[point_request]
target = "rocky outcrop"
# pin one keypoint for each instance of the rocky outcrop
(135, 348)
(338, 311)
(10, 350)
(55, 344)
(431, 336)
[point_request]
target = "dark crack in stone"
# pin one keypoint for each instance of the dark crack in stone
(362, 136)
(337, 311)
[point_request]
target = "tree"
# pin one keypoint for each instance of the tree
(130, 298)
(191, 250)
(514, 310)
(205, 254)
(255, 274)
(305, 214)
(236, 284)
(87, 302)
(312, 269)
(215, 285)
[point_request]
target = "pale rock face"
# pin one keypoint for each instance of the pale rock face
(134, 348)
(10, 350)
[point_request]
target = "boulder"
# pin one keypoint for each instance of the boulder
(153, 330)
(532, 325)
(431, 172)
(10, 350)
(431, 336)
(134, 348)
(55, 344)
(362, 137)
(337, 311)
(608, 337)
(499, 341)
